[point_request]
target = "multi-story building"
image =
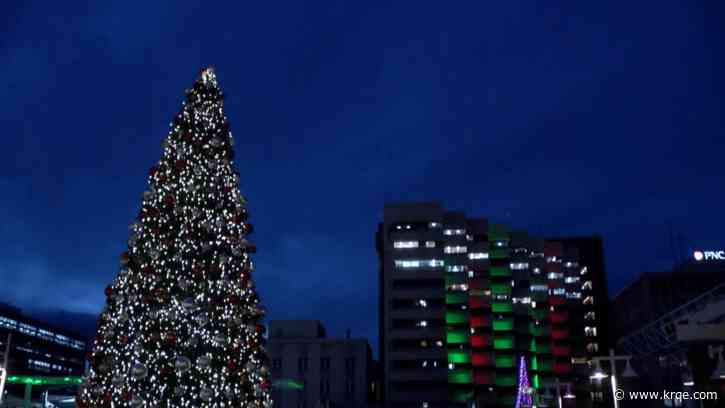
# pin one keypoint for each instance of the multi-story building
(310, 370)
(588, 320)
(654, 294)
(463, 301)
(37, 348)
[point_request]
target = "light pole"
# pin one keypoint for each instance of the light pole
(612, 359)
(4, 368)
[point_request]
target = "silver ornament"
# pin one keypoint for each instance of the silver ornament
(202, 319)
(203, 362)
(182, 364)
(178, 391)
(194, 341)
(137, 402)
(216, 142)
(199, 170)
(154, 254)
(117, 380)
(220, 339)
(139, 371)
(188, 304)
(206, 394)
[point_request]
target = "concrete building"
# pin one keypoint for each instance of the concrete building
(462, 301)
(310, 370)
(38, 348)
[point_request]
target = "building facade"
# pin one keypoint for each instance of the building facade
(310, 370)
(37, 348)
(462, 301)
(653, 294)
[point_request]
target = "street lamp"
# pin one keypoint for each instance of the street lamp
(598, 373)
(612, 359)
(719, 372)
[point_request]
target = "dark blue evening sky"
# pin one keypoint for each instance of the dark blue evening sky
(569, 117)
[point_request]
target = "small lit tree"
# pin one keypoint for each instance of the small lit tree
(524, 391)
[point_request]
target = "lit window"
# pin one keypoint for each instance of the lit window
(454, 232)
(455, 249)
(471, 274)
(558, 291)
(517, 266)
(469, 237)
(555, 275)
(552, 259)
(583, 271)
(407, 263)
(460, 287)
(537, 270)
(430, 244)
(539, 288)
(439, 343)
(536, 255)
(524, 300)
(590, 331)
(455, 268)
(571, 279)
(587, 285)
(405, 244)
(415, 263)
(589, 300)
(434, 225)
(499, 244)
(574, 295)
(422, 303)
(478, 255)
(422, 323)
(571, 264)
(593, 347)
(589, 316)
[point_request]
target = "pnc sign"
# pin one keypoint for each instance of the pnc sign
(709, 255)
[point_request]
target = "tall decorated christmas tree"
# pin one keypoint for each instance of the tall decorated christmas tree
(181, 323)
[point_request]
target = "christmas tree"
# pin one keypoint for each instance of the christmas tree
(524, 391)
(181, 323)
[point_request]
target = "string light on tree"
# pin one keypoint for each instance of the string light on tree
(181, 323)
(524, 392)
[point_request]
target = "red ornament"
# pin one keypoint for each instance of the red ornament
(232, 365)
(171, 338)
(162, 179)
(233, 299)
(188, 136)
(160, 294)
(169, 200)
(147, 270)
(248, 228)
(153, 171)
(108, 396)
(123, 340)
(125, 258)
(265, 384)
(227, 189)
(108, 291)
(127, 396)
(180, 164)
